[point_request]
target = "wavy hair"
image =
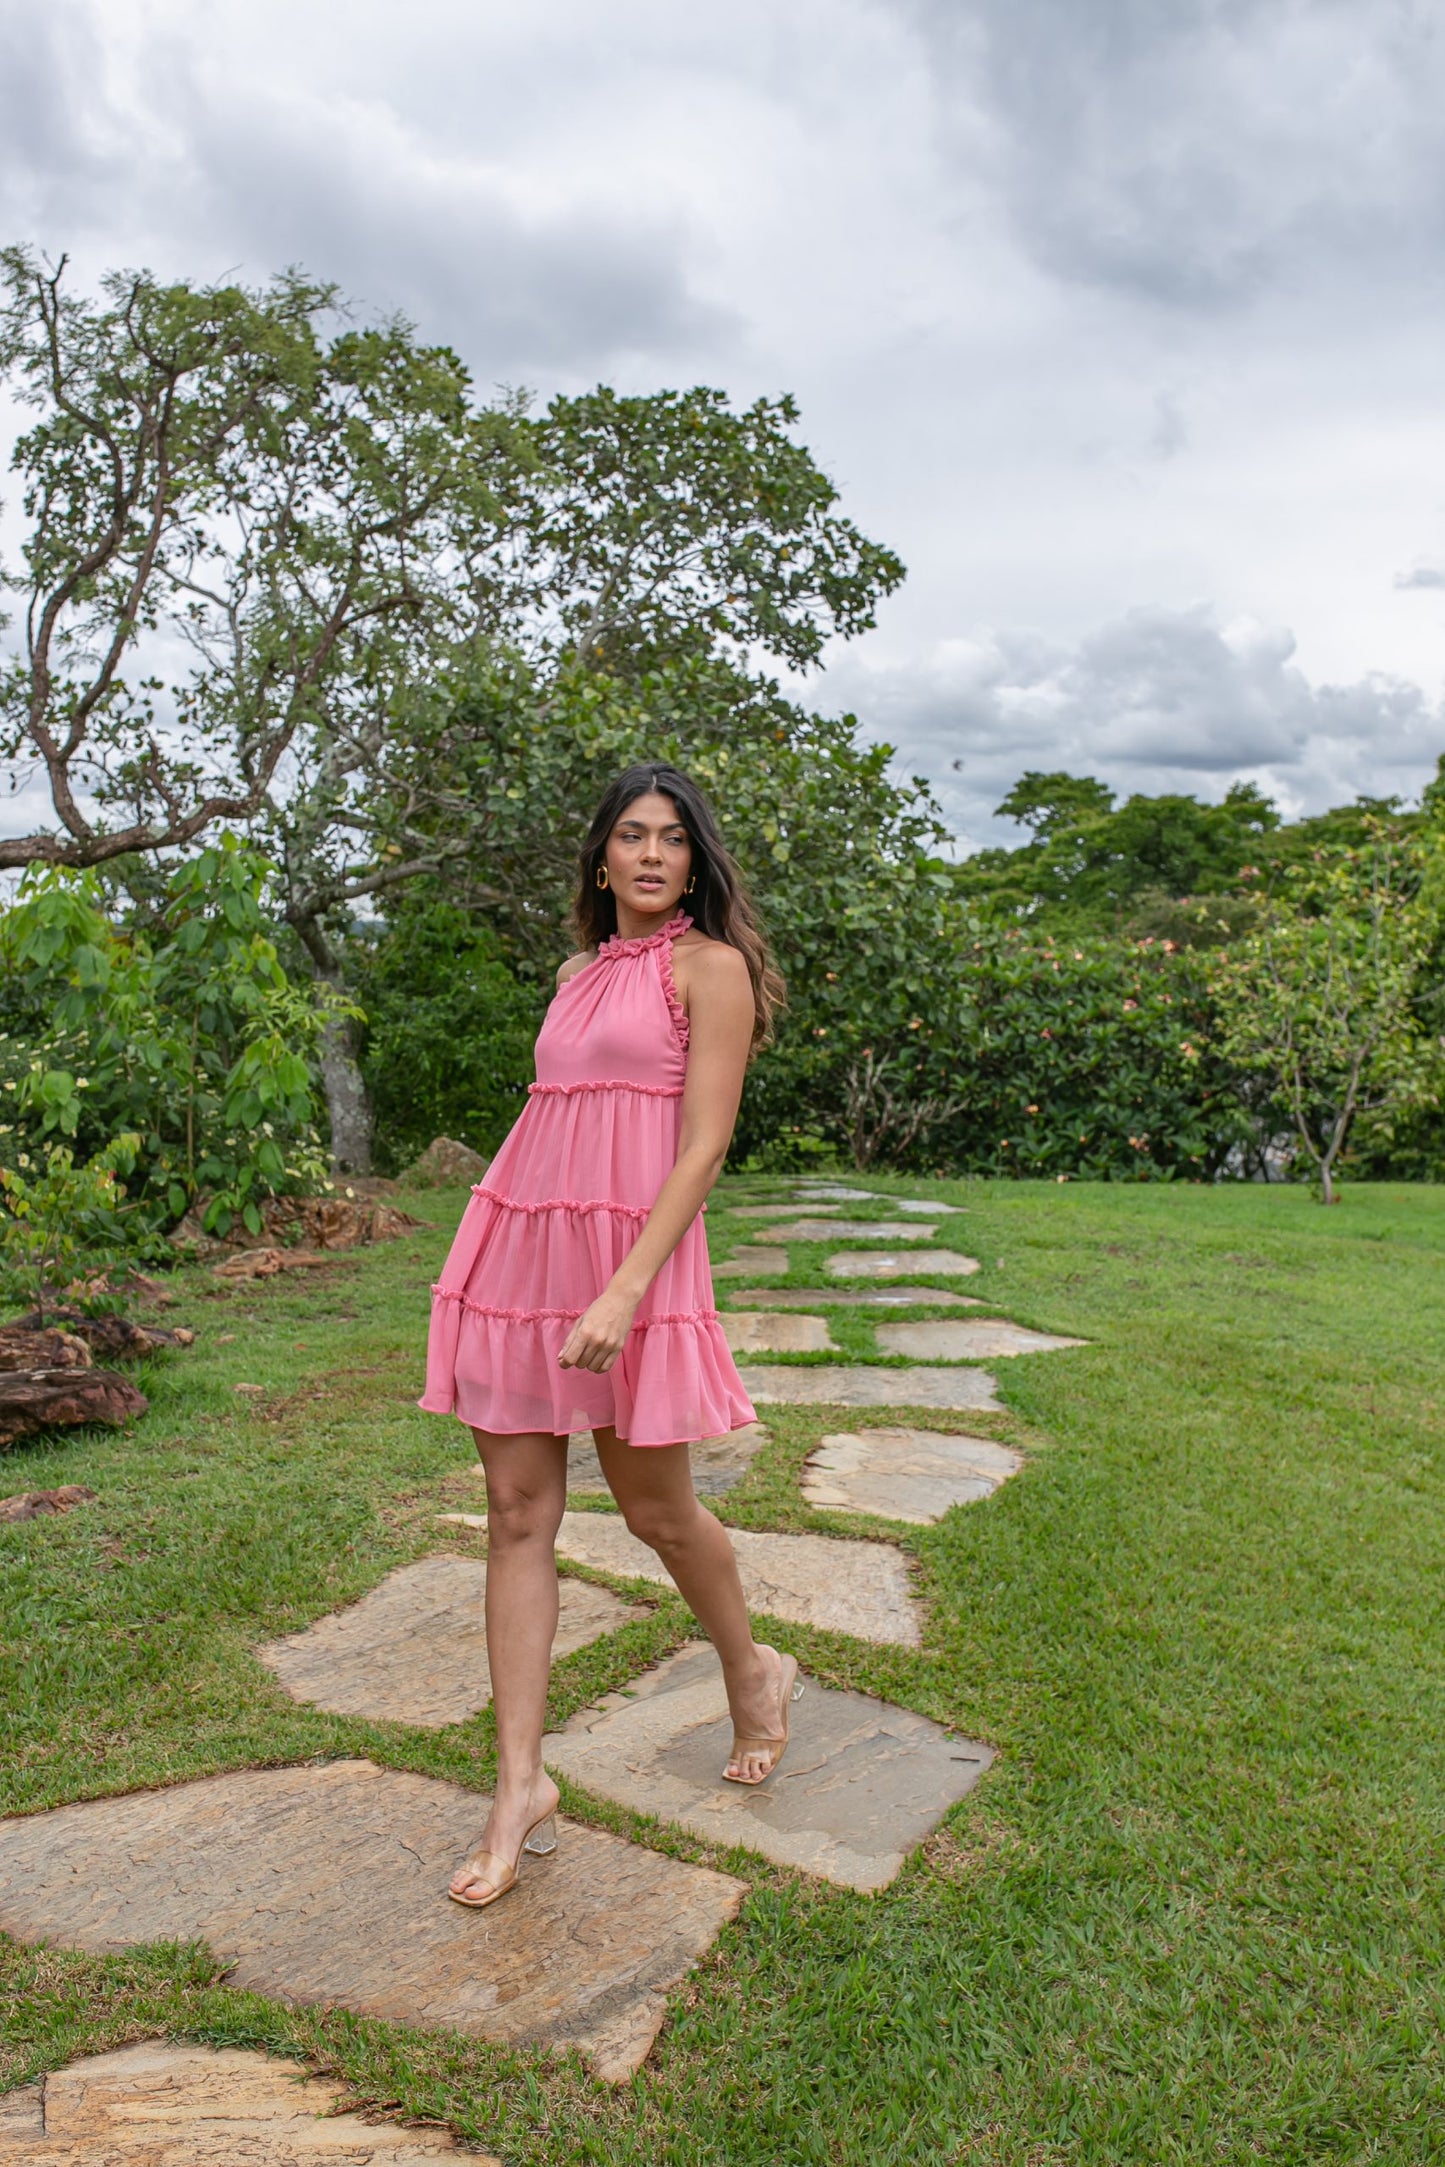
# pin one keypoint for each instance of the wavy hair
(719, 904)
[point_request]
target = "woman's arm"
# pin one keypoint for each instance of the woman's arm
(720, 1030)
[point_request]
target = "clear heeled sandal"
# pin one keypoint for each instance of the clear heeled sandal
(540, 1842)
(790, 1690)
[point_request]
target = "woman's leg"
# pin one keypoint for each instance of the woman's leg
(653, 1486)
(526, 1494)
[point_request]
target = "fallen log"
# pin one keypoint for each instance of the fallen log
(119, 1338)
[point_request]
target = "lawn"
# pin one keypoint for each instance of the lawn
(1192, 1914)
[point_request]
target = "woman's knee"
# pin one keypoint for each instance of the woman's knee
(518, 1514)
(662, 1523)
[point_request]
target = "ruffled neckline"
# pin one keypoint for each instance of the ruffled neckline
(615, 945)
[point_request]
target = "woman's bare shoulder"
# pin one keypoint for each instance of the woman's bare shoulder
(707, 962)
(573, 965)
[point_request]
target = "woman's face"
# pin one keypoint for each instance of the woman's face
(648, 856)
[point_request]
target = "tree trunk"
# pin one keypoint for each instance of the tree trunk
(346, 1098)
(347, 1101)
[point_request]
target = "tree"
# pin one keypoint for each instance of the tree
(1323, 999)
(1095, 866)
(393, 603)
(212, 477)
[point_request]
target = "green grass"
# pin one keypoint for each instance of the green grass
(1193, 1913)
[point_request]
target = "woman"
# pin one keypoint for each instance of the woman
(577, 1294)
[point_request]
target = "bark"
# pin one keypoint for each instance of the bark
(347, 1100)
(348, 1103)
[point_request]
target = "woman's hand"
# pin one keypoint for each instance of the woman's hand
(600, 1333)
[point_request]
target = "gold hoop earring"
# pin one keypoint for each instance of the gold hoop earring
(602, 880)
(691, 885)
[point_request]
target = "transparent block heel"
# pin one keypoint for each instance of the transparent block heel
(543, 1840)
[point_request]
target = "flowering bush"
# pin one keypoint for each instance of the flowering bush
(57, 1218)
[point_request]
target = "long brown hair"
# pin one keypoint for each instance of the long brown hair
(719, 903)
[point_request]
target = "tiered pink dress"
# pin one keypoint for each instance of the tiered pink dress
(563, 1202)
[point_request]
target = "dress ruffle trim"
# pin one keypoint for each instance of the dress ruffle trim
(615, 945)
(619, 1083)
(537, 1316)
(675, 1008)
(562, 1203)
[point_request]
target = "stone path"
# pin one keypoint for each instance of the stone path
(862, 1782)
(913, 1475)
(717, 1462)
(749, 1258)
(860, 1588)
(967, 1339)
(782, 1211)
(847, 1230)
(858, 1386)
(327, 1885)
(415, 1650)
(156, 2105)
(754, 1332)
(881, 1297)
(888, 1264)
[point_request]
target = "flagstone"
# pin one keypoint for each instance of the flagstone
(968, 1339)
(751, 1332)
(811, 1189)
(925, 1210)
(856, 1384)
(781, 1211)
(751, 1257)
(717, 1462)
(856, 1297)
(903, 1474)
(327, 1885)
(860, 1588)
(861, 1785)
(158, 2105)
(895, 1264)
(846, 1230)
(414, 1650)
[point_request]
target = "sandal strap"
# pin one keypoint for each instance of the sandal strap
(491, 1867)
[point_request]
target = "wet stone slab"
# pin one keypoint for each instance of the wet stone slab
(717, 1462)
(860, 1588)
(754, 1332)
(883, 1297)
(861, 1784)
(156, 2105)
(913, 1475)
(752, 1257)
(897, 1264)
(857, 1385)
(328, 1886)
(968, 1339)
(847, 1230)
(415, 1649)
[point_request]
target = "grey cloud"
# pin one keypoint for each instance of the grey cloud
(1195, 152)
(260, 175)
(1424, 575)
(1158, 700)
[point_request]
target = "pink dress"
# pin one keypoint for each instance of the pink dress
(562, 1204)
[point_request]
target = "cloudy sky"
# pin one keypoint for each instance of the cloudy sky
(1121, 320)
